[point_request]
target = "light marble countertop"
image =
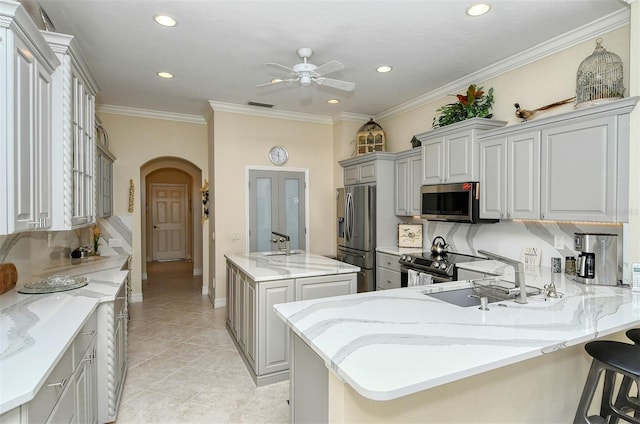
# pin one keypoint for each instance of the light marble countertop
(260, 266)
(36, 329)
(423, 342)
(398, 251)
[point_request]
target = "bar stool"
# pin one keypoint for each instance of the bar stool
(617, 358)
(623, 397)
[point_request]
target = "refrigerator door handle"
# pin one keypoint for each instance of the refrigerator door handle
(347, 225)
(351, 216)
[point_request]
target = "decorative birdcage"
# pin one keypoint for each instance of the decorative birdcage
(599, 78)
(370, 138)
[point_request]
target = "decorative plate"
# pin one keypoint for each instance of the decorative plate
(55, 283)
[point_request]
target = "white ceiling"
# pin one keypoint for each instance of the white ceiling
(219, 48)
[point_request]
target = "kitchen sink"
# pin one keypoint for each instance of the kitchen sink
(462, 297)
(279, 253)
(495, 292)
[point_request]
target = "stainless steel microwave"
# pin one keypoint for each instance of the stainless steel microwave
(459, 202)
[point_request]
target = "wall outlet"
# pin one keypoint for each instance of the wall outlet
(113, 242)
(235, 236)
(557, 242)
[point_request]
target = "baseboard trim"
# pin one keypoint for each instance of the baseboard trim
(136, 298)
(220, 303)
(197, 271)
(205, 290)
(144, 276)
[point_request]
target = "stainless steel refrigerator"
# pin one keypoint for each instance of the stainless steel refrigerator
(356, 225)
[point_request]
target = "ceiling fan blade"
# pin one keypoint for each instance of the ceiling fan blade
(334, 83)
(277, 82)
(281, 67)
(329, 67)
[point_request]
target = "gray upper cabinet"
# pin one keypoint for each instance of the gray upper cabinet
(450, 154)
(104, 173)
(509, 176)
(73, 146)
(572, 167)
(26, 70)
(580, 171)
(408, 178)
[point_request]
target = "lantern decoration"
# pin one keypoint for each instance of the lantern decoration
(599, 78)
(370, 138)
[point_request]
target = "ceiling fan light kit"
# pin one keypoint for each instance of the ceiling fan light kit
(305, 73)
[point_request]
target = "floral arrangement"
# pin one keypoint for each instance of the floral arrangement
(474, 105)
(96, 239)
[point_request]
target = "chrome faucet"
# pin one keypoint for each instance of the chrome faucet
(282, 238)
(518, 268)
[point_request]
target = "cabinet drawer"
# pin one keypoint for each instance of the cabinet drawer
(389, 261)
(42, 404)
(387, 279)
(84, 338)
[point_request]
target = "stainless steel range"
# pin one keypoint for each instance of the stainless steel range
(442, 268)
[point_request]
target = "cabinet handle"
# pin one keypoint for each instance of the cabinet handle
(88, 333)
(60, 384)
(90, 357)
(121, 298)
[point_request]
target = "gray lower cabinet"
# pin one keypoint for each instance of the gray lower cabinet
(69, 392)
(112, 353)
(260, 335)
(387, 271)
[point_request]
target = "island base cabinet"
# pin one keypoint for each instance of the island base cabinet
(273, 337)
(261, 337)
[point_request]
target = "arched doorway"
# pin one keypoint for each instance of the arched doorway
(172, 172)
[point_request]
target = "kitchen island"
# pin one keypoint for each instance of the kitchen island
(402, 356)
(257, 281)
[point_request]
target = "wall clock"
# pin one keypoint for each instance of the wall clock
(278, 155)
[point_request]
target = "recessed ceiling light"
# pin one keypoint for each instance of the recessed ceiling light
(333, 101)
(276, 80)
(166, 75)
(478, 9)
(165, 20)
(384, 69)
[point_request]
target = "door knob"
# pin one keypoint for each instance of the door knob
(155, 226)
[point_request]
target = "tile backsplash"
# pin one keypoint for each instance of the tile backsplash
(508, 238)
(33, 251)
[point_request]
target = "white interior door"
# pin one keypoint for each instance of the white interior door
(168, 221)
(276, 203)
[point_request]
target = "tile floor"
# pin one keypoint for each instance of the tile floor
(183, 366)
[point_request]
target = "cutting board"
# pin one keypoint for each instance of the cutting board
(8, 277)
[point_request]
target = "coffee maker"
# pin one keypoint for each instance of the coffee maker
(598, 260)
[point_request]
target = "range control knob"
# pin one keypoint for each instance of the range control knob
(403, 257)
(443, 266)
(436, 264)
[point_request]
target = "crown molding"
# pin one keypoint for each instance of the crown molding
(579, 35)
(352, 117)
(269, 113)
(153, 114)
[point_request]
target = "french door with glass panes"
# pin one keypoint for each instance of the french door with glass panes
(276, 203)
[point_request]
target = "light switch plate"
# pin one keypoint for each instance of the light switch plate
(114, 242)
(557, 242)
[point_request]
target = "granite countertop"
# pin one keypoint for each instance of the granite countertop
(260, 266)
(36, 329)
(424, 342)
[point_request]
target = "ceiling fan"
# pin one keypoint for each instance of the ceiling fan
(306, 72)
